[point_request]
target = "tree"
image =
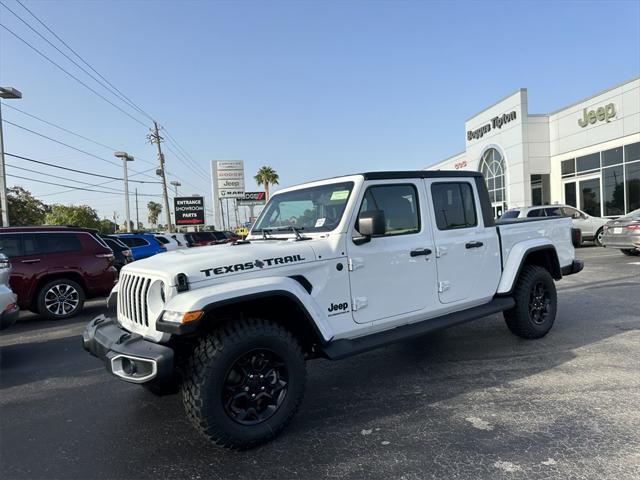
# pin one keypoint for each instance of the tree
(154, 210)
(80, 216)
(266, 176)
(107, 227)
(24, 208)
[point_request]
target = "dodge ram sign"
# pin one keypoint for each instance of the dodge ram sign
(189, 210)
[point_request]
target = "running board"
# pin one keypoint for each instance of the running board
(343, 348)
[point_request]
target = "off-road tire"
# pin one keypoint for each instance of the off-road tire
(630, 252)
(520, 319)
(41, 300)
(210, 363)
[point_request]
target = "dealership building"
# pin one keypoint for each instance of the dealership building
(586, 154)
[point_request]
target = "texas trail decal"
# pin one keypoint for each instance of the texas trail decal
(265, 262)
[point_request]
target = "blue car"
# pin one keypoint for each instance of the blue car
(142, 245)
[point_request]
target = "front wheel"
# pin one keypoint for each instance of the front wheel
(536, 303)
(598, 238)
(631, 252)
(244, 382)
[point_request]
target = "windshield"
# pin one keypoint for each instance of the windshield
(314, 209)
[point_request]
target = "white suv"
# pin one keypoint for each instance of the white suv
(590, 227)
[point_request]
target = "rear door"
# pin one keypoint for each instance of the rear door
(467, 253)
(26, 263)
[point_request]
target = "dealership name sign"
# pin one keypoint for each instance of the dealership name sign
(601, 114)
(495, 122)
(189, 210)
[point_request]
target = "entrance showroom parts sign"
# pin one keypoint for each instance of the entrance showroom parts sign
(496, 122)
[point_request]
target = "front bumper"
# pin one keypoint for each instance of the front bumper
(575, 267)
(127, 355)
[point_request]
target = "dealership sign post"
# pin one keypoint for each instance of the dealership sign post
(251, 199)
(227, 181)
(189, 210)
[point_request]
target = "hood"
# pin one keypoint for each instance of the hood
(219, 261)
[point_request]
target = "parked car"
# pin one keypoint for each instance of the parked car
(169, 241)
(232, 236)
(54, 269)
(242, 232)
(142, 245)
(592, 228)
(623, 233)
(199, 239)
(9, 309)
(121, 252)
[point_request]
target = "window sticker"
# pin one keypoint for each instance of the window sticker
(320, 222)
(339, 195)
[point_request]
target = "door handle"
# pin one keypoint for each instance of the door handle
(35, 260)
(474, 245)
(420, 251)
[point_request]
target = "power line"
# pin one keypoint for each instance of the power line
(57, 176)
(73, 169)
(92, 185)
(131, 102)
(72, 75)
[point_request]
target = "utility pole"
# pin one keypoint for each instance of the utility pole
(137, 213)
(126, 158)
(154, 137)
(5, 92)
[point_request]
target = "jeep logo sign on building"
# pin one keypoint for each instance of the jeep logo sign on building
(189, 210)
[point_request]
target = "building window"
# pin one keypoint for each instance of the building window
(493, 168)
(632, 152)
(590, 197)
(633, 186)
(613, 191)
(612, 157)
(570, 194)
(568, 167)
(588, 162)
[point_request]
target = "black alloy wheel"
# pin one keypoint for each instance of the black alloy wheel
(539, 303)
(255, 387)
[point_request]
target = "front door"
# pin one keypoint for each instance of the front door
(393, 274)
(467, 253)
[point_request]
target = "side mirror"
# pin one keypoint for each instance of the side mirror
(370, 224)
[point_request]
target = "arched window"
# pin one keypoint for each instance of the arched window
(493, 168)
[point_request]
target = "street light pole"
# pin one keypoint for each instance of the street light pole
(126, 158)
(8, 93)
(175, 184)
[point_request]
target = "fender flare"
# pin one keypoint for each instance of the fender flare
(236, 293)
(517, 259)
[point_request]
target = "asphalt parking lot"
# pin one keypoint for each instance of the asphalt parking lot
(470, 402)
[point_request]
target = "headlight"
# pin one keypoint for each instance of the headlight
(181, 317)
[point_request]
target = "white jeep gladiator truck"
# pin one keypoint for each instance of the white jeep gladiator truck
(330, 269)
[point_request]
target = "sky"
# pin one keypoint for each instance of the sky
(312, 89)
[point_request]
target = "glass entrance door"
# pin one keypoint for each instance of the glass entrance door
(589, 196)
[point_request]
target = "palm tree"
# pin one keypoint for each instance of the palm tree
(266, 176)
(154, 210)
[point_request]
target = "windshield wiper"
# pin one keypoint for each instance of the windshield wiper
(286, 228)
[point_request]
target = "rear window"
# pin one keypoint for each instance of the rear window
(511, 214)
(553, 212)
(201, 236)
(58, 242)
(134, 241)
(454, 205)
(538, 212)
(162, 239)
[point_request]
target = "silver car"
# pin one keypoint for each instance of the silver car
(8, 300)
(624, 233)
(592, 228)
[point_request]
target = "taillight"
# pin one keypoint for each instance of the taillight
(633, 227)
(126, 253)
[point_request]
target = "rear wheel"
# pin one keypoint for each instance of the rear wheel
(60, 298)
(536, 303)
(630, 252)
(244, 382)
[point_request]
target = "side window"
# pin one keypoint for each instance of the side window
(162, 239)
(537, 212)
(10, 245)
(58, 242)
(454, 205)
(571, 212)
(553, 212)
(399, 204)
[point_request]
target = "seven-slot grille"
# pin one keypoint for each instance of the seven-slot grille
(132, 298)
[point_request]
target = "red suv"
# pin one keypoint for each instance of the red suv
(55, 268)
